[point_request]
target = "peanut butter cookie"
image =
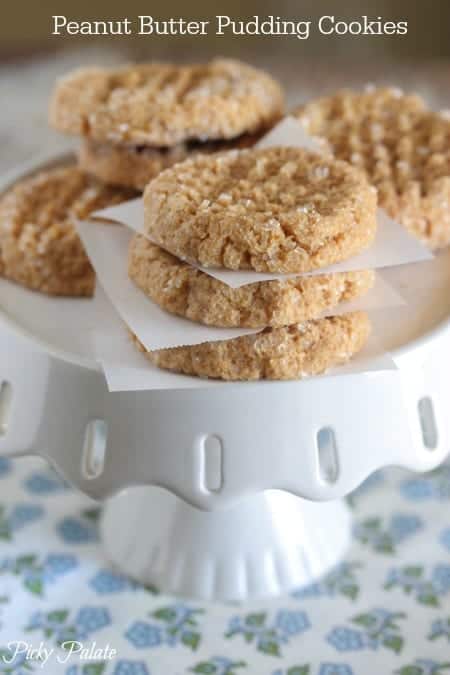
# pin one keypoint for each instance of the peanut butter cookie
(403, 148)
(139, 119)
(186, 291)
(289, 353)
(39, 246)
(278, 210)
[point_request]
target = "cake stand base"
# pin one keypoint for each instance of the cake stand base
(265, 545)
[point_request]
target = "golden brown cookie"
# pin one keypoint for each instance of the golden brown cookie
(39, 246)
(151, 115)
(274, 210)
(403, 148)
(289, 353)
(136, 166)
(186, 291)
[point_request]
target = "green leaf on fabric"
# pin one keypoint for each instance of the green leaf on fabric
(91, 514)
(94, 668)
(415, 571)
(257, 620)
(269, 647)
(366, 620)
(58, 615)
(394, 642)
(69, 638)
(165, 614)
(205, 668)
(151, 589)
(410, 670)
(372, 523)
(429, 600)
(385, 545)
(35, 586)
(191, 639)
(26, 560)
(5, 532)
(351, 592)
(68, 645)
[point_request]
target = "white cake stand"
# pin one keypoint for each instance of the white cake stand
(230, 492)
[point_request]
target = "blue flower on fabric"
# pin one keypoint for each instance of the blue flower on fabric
(5, 466)
(24, 514)
(348, 639)
(131, 668)
(58, 564)
(370, 630)
(106, 581)
(440, 578)
(417, 489)
(440, 628)
(403, 526)
(434, 485)
(44, 483)
(16, 517)
(445, 538)
(92, 619)
(291, 623)
(143, 635)
(91, 668)
(335, 669)
(77, 531)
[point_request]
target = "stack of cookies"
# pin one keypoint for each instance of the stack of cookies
(282, 211)
(133, 122)
(136, 121)
(185, 135)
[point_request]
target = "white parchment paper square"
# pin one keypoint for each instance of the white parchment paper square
(107, 247)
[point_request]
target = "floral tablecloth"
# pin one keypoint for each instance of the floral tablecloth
(385, 609)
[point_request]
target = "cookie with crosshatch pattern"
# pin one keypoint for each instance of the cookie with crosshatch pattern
(39, 245)
(137, 120)
(277, 210)
(402, 147)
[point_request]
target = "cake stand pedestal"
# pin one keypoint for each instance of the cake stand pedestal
(265, 545)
